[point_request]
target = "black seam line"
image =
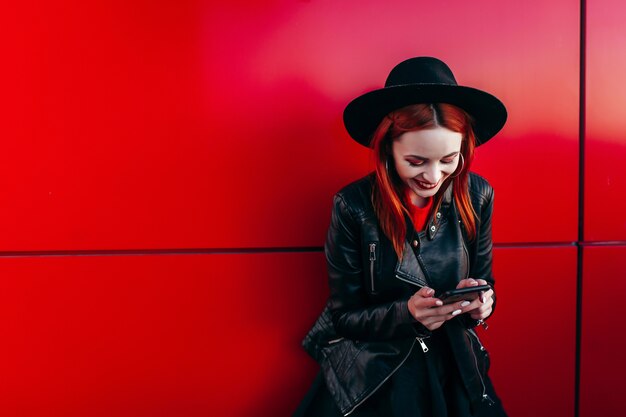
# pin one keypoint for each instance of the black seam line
(582, 115)
(560, 244)
(257, 250)
(507, 245)
(150, 252)
(607, 243)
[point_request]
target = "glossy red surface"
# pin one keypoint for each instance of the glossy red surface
(605, 143)
(185, 335)
(165, 125)
(531, 337)
(603, 344)
(161, 125)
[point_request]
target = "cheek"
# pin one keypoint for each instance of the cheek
(449, 169)
(408, 172)
(402, 170)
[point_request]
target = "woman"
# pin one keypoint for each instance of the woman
(416, 227)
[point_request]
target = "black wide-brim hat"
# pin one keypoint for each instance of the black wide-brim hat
(423, 80)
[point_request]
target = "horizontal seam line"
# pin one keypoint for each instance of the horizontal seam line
(148, 252)
(259, 250)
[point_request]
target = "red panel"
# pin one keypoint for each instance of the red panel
(603, 344)
(605, 146)
(532, 335)
(218, 124)
(174, 335)
(196, 335)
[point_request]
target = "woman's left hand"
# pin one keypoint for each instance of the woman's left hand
(481, 307)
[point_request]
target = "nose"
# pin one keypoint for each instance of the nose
(432, 173)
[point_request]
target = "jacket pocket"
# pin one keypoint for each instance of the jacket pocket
(340, 354)
(373, 266)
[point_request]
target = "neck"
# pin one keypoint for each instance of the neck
(418, 201)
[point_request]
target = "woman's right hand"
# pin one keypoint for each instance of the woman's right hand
(430, 311)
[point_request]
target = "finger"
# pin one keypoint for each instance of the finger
(432, 315)
(424, 298)
(468, 282)
(427, 318)
(474, 305)
(430, 303)
(484, 303)
(449, 311)
(418, 300)
(422, 302)
(483, 311)
(425, 292)
(486, 296)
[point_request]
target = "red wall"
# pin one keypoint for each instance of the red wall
(167, 172)
(603, 342)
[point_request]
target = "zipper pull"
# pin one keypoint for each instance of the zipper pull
(372, 251)
(488, 400)
(422, 344)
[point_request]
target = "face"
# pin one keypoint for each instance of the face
(424, 159)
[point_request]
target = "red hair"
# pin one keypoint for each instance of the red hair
(388, 205)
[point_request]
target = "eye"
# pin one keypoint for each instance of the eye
(449, 161)
(415, 162)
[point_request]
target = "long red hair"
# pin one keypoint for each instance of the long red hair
(388, 204)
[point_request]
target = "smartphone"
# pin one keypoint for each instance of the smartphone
(467, 293)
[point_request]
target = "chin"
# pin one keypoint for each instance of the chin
(427, 194)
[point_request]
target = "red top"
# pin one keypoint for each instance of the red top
(418, 214)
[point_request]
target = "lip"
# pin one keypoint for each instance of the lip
(425, 185)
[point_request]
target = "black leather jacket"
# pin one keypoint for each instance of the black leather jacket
(366, 331)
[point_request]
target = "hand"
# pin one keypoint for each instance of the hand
(482, 307)
(430, 311)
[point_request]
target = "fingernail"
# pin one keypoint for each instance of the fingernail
(482, 298)
(465, 303)
(455, 312)
(430, 291)
(439, 302)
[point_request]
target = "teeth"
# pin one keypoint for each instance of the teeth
(425, 185)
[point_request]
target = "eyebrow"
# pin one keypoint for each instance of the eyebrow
(426, 159)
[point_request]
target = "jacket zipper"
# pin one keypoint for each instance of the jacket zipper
(485, 396)
(422, 344)
(467, 258)
(388, 376)
(372, 260)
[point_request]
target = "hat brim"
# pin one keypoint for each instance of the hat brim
(363, 114)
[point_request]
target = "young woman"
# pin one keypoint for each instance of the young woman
(387, 342)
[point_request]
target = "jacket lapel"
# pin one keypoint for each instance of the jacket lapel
(409, 268)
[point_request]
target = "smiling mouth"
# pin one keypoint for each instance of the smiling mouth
(425, 185)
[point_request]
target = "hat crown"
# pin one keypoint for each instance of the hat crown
(420, 70)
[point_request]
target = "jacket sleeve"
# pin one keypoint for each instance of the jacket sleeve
(352, 315)
(481, 267)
